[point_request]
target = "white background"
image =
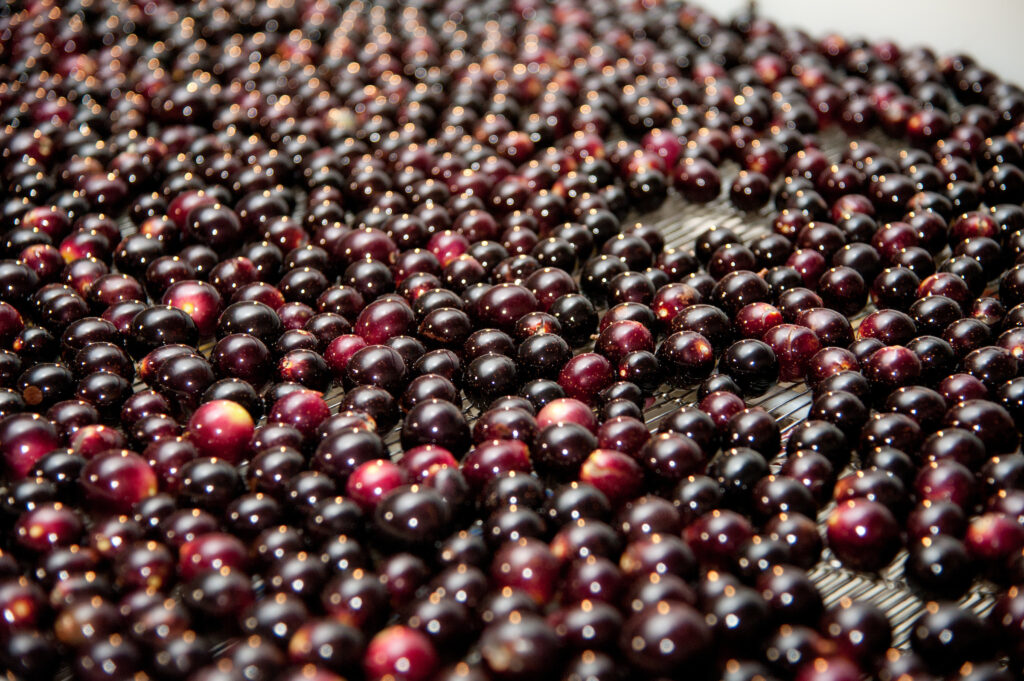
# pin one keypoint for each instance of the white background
(988, 30)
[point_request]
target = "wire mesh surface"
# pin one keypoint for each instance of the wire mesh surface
(681, 223)
(789, 403)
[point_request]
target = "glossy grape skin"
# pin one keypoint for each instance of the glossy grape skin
(966, 637)
(880, 533)
(752, 364)
(677, 623)
(793, 346)
(400, 648)
(941, 566)
(532, 633)
(687, 355)
(716, 535)
(223, 428)
(585, 375)
(436, 422)
(738, 289)
(118, 479)
(990, 422)
(28, 439)
(892, 367)
(412, 515)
